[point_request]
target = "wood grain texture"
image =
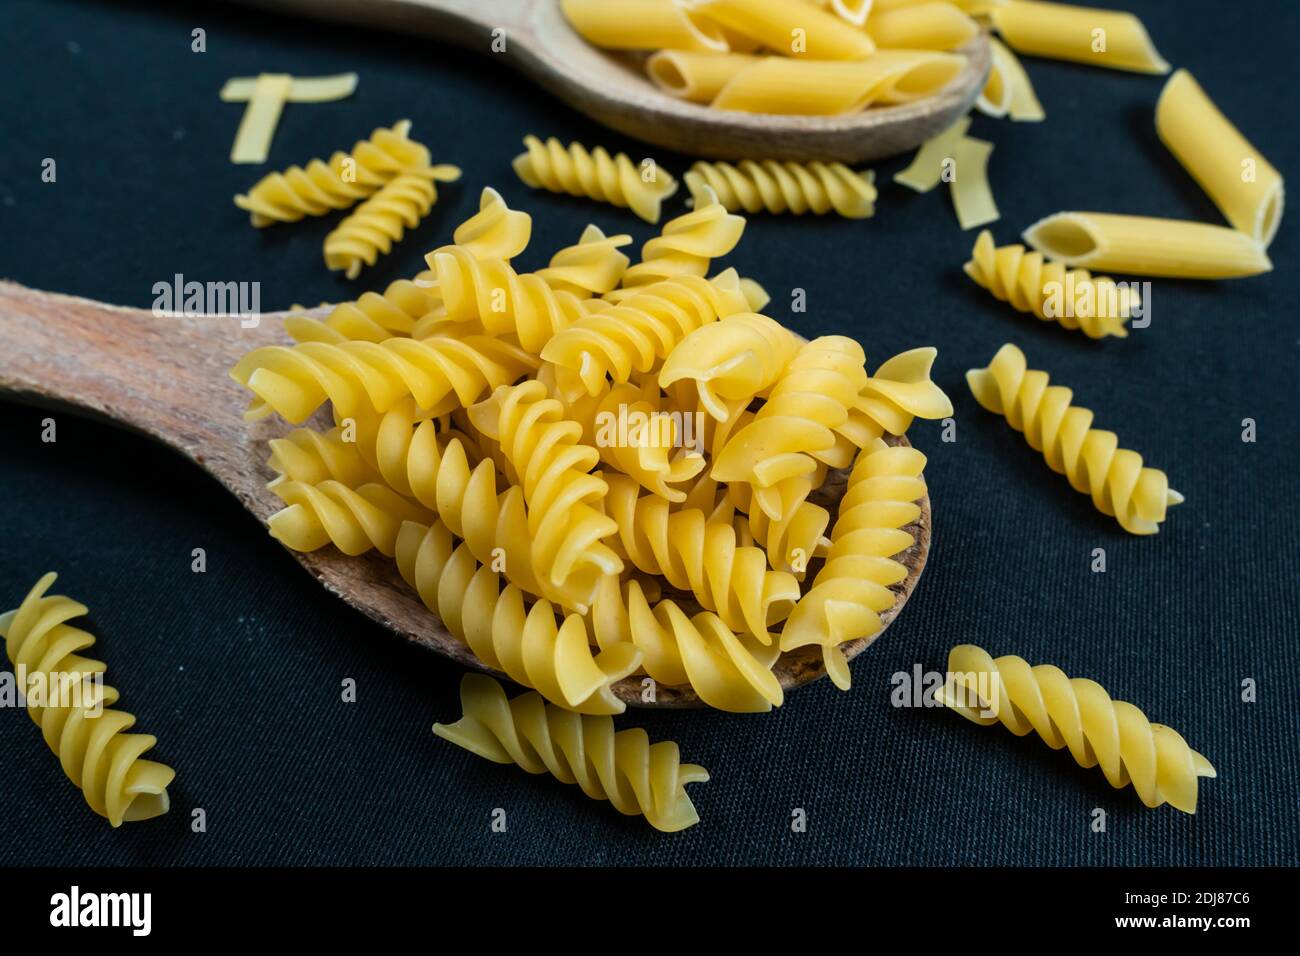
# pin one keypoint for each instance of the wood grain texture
(168, 377)
(614, 91)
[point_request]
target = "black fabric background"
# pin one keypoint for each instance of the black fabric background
(237, 671)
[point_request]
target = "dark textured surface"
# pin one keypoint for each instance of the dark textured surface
(238, 671)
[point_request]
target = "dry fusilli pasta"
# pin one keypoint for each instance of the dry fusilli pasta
(88, 735)
(637, 777)
(779, 187)
(1120, 485)
(595, 175)
(1077, 713)
(383, 219)
(346, 178)
(1072, 297)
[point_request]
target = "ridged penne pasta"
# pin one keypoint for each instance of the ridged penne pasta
(1243, 184)
(1008, 90)
(936, 25)
(643, 25)
(972, 197)
(1060, 31)
(824, 88)
(790, 28)
(1144, 245)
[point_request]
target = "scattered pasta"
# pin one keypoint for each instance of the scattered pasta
(1009, 91)
(1064, 31)
(266, 95)
(779, 187)
(1076, 713)
(595, 175)
(1241, 182)
(1119, 484)
(1142, 245)
(347, 178)
(87, 734)
(637, 777)
(1072, 297)
(361, 238)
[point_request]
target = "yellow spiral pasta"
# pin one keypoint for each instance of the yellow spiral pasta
(439, 372)
(1076, 713)
(899, 391)
(527, 646)
(637, 777)
(361, 238)
(88, 736)
(549, 461)
(595, 175)
(731, 361)
(727, 671)
(354, 520)
(852, 588)
(1120, 486)
(779, 187)
(637, 435)
(685, 246)
(496, 231)
(792, 542)
(1031, 283)
(593, 266)
(345, 179)
(611, 344)
(701, 557)
(310, 456)
(788, 443)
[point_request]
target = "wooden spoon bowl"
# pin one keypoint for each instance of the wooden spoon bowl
(168, 377)
(615, 92)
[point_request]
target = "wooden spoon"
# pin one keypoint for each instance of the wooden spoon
(615, 91)
(168, 376)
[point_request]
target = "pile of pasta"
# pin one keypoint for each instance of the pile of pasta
(601, 470)
(808, 57)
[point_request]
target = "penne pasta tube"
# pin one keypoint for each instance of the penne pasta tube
(926, 169)
(1061, 31)
(1143, 245)
(826, 88)
(936, 25)
(1243, 184)
(1008, 90)
(643, 25)
(974, 8)
(790, 27)
(698, 77)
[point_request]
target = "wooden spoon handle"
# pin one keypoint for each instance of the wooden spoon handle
(164, 375)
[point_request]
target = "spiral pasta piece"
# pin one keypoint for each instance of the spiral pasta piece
(1074, 298)
(1119, 484)
(637, 777)
(527, 646)
(728, 671)
(361, 238)
(553, 466)
(89, 737)
(310, 456)
(794, 436)
(899, 391)
(731, 361)
(1076, 713)
(686, 245)
(348, 177)
(779, 187)
(700, 556)
(495, 232)
(654, 447)
(593, 266)
(354, 520)
(439, 372)
(595, 175)
(639, 332)
(853, 587)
